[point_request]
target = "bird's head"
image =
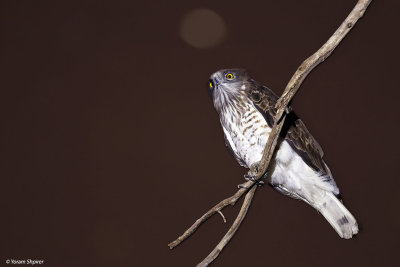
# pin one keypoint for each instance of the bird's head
(227, 80)
(227, 86)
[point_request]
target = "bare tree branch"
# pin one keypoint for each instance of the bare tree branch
(282, 109)
(305, 68)
(231, 231)
(228, 201)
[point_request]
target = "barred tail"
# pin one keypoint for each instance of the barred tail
(337, 215)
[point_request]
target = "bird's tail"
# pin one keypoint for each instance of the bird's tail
(338, 216)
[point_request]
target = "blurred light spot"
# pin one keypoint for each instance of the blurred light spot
(202, 28)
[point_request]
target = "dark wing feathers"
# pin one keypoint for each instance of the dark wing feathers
(264, 100)
(300, 139)
(296, 133)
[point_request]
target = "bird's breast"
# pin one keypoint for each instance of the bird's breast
(248, 132)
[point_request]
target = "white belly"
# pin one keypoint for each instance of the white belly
(248, 139)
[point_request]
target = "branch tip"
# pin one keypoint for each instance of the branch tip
(222, 215)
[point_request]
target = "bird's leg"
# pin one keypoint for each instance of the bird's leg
(252, 174)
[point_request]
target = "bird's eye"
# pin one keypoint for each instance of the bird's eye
(229, 76)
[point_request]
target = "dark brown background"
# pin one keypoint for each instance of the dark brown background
(111, 147)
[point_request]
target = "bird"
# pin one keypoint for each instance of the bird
(246, 111)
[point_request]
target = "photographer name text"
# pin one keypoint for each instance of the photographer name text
(27, 261)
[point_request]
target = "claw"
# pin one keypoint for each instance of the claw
(250, 176)
(258, 182)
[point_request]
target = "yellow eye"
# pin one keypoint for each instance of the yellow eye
(229, 76)
(211, 85)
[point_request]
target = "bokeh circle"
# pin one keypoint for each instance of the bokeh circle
(202, 28)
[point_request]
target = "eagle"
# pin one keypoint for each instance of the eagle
(247, 110)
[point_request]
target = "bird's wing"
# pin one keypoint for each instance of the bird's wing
(294, 131)
(300, 139)
(264, 100)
